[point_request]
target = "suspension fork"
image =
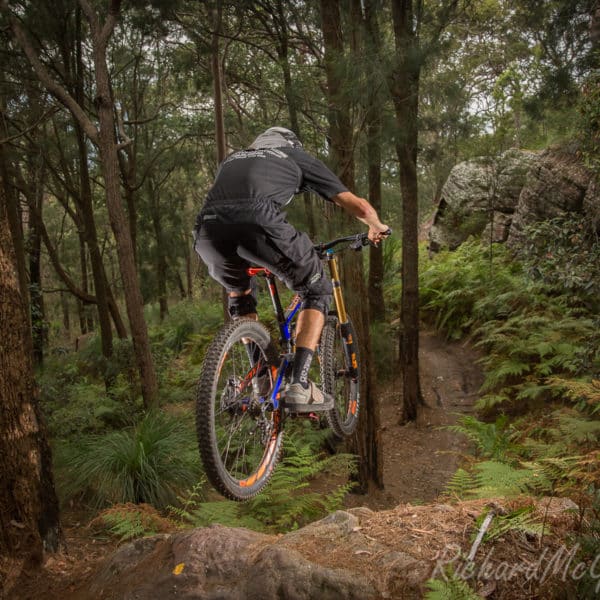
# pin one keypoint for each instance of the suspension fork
(340, 306)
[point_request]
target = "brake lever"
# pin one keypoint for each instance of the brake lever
(365, 241)
(360, 241)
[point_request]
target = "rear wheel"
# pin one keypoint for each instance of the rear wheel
(239, 433)
(340, 375)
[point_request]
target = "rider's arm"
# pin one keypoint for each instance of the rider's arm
(364, 212)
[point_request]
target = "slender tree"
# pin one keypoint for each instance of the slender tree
(29, 513)
(410, 56)
(373, 117)
(366, 441)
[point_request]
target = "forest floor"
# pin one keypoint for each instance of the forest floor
(419, 459)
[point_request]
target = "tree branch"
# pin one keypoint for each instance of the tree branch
(90, 15)
(58, 91)
(47, 115)
(111, 21)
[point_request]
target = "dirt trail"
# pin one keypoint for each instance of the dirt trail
(420, 458)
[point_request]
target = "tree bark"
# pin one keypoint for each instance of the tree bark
(107, 145)
(220, 138)
(86, 207)
(12, 207)
(38, 317)
(366, 441)
(218, 84)
(160, 254)
(373, 121)
(29, 513)
(405, 94)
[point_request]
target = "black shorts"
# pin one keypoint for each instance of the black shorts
(231, 236)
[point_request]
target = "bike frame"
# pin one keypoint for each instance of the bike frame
(285, 318)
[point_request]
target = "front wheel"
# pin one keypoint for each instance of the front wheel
(340, 375)
(239, 432)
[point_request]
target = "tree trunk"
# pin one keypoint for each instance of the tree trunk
(366, 442)
(160, 256)
(84, 313)
(107, 145)
(86, 206)
(215, 64)
(105, 139)
(218, 84)
(38, 318)
(292, 100)
(64, 303)
(11, 196)
(29, 514)
(405, 94)
(373, 120)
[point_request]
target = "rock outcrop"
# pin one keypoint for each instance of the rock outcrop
(477, 190)
(499, 198)
(556, 185)
(355, 554)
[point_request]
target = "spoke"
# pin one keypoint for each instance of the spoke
(240, 433)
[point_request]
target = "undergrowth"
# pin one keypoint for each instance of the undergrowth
(152, 461)
(287, 502)
(535, 318)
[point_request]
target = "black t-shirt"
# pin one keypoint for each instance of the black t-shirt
(273, 174)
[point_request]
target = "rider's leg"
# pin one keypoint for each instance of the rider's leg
(308, 332)
(243, 304)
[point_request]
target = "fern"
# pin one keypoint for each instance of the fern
(493, 440)
(460, 484)
(452, 588)
(585, 392)
(500, 479)
(286, 503)
(489, 401)
(129, 521)
(491, 479)
(522, 520)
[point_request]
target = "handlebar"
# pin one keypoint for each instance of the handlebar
(355, 242)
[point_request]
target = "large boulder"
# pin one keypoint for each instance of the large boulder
(218, 563)
(354, 554)
(558, 184)
(479, 193)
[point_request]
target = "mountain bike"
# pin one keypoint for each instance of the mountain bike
(240, 404)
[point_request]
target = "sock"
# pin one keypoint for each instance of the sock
(302, 361)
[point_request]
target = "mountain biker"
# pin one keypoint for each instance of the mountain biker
(242, 223)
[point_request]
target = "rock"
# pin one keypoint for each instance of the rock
(337, 524)
(388, 554)
(500, 228)
(222, 563)
(555, 186)
(475, 189)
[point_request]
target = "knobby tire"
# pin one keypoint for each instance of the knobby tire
(336, 378)
(239, 436)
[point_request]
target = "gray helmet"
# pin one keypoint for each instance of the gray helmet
(276, 137)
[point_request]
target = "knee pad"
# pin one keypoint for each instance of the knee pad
(318, 294)
(317, 303)
(240, 306)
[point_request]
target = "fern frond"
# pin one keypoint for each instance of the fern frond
(500, 479)
(452, 588)
(522, 520)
